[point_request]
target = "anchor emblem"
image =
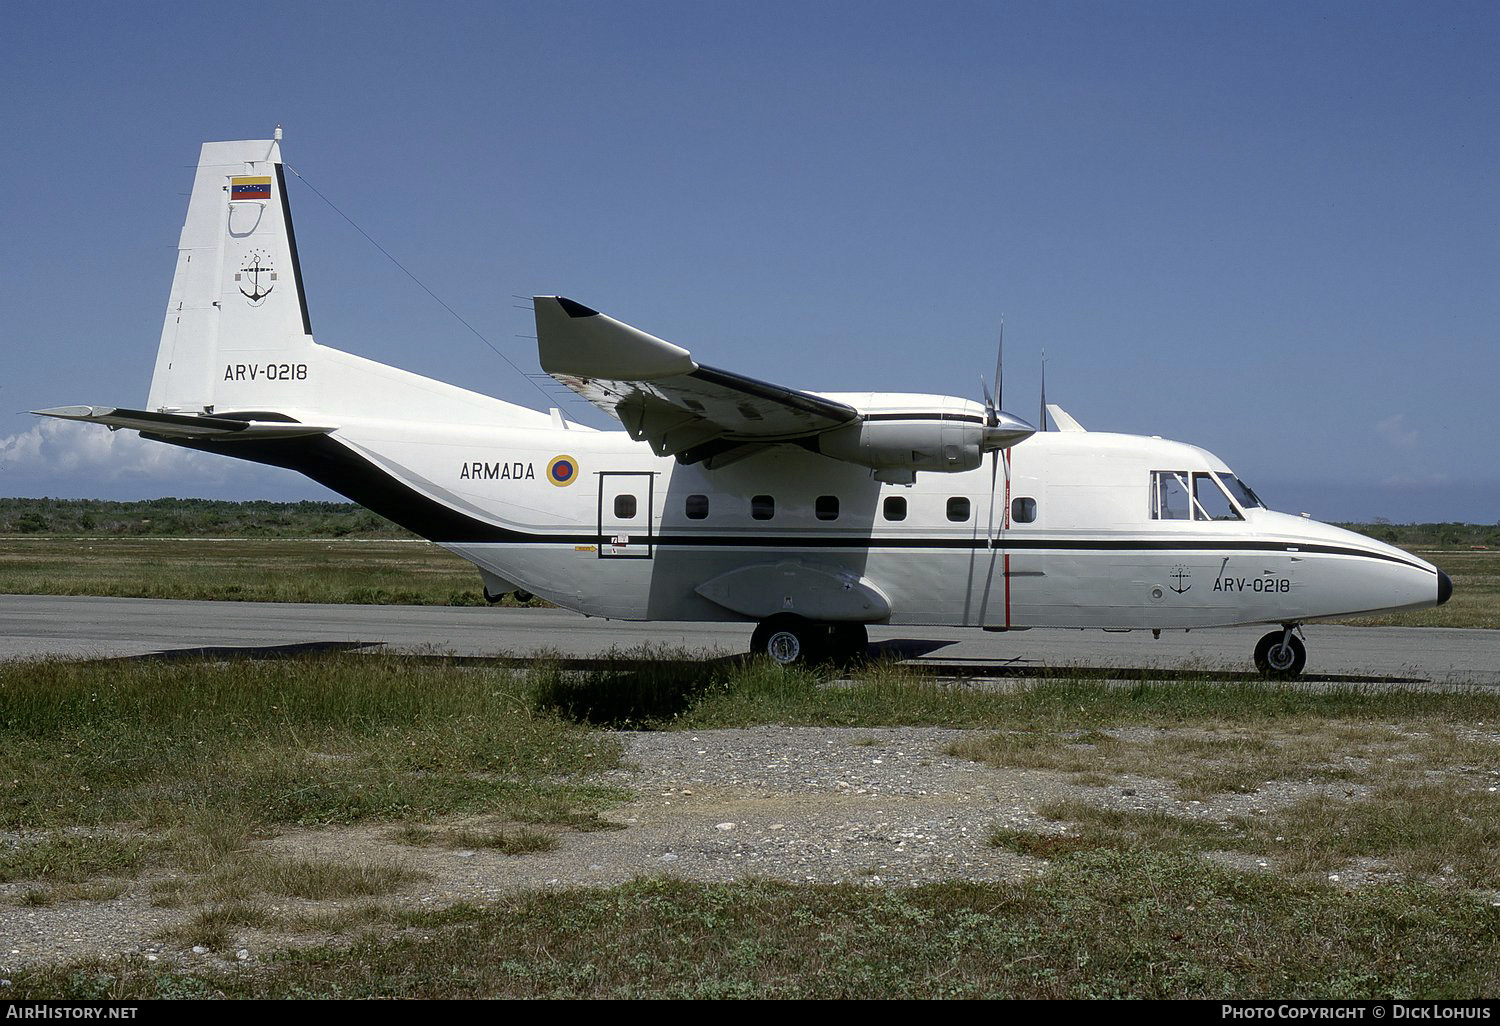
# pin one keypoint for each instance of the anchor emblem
(255, 270)
(1181, 575)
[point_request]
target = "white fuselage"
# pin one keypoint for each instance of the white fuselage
(616, 539)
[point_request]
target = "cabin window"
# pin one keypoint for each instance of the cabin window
(762, 507)
(624, 506)
(958, 509)
(1023, 511)
(697, 507)
(827, 507)
(894, 507)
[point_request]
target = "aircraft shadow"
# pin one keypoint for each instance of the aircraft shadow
(223, 652)
(903, 649)
(914, 650)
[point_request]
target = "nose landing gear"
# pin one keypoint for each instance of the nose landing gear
(1281, 655)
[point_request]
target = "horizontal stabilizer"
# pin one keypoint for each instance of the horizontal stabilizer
(179, 425)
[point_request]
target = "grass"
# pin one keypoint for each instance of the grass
(202, 761)
(313, 740)
(1100, 924)
(218, 928)
(68, 858)
(188, 765)
(1201, 765)
(1420, 800)
(313, 879)
(89, 890)
(234, 896)
(747, 693)
(386, 571)
(516, 841)
(1418, 832)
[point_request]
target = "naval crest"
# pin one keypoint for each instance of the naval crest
(257, 271)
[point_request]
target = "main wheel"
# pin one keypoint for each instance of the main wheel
(787, 640)
(848, 642)
(1280, 656)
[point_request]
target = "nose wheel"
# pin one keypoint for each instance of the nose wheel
(1281, 655)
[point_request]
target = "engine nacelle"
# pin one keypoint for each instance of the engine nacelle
(909, 444)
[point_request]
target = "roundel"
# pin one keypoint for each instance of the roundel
(562, 470)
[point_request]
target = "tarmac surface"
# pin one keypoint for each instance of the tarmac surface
(33, 626)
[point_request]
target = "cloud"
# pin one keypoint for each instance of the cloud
(1394, 430)
(62, 449)
(1416, 482)
(62, 458)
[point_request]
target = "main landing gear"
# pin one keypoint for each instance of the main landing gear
(793, 641)
(1281, 655)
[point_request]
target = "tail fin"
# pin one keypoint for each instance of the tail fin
(237, 318)
(237, 353)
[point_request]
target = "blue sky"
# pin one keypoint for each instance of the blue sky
(1271, 229)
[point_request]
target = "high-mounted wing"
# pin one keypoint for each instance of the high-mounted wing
(701, 414)
(665, 397)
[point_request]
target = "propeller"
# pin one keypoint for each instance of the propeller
(1001, 430)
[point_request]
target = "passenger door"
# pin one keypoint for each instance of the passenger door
(625, 515)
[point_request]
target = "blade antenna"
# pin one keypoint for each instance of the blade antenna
(1042, 423)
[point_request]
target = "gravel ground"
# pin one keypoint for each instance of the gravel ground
(805, 804)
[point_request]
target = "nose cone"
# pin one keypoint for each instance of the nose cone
(1007, 430)
(1445, 587)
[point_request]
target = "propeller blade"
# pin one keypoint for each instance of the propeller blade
(994, 481)
(999, 403)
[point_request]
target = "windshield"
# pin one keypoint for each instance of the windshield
(1241, 492)
(1185, 495)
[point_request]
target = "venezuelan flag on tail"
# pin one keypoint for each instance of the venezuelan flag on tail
(256, 188)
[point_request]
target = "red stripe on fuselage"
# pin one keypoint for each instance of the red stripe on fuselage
(1005, 526)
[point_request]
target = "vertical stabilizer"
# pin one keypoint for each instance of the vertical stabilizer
(237, 319)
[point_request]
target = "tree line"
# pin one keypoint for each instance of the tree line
(214, 518)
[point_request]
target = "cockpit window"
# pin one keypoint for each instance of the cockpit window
(1170, 495)
(1241, 492)
(1181, 495)
(1210, 502)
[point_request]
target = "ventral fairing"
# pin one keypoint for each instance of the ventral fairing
(725, 498)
